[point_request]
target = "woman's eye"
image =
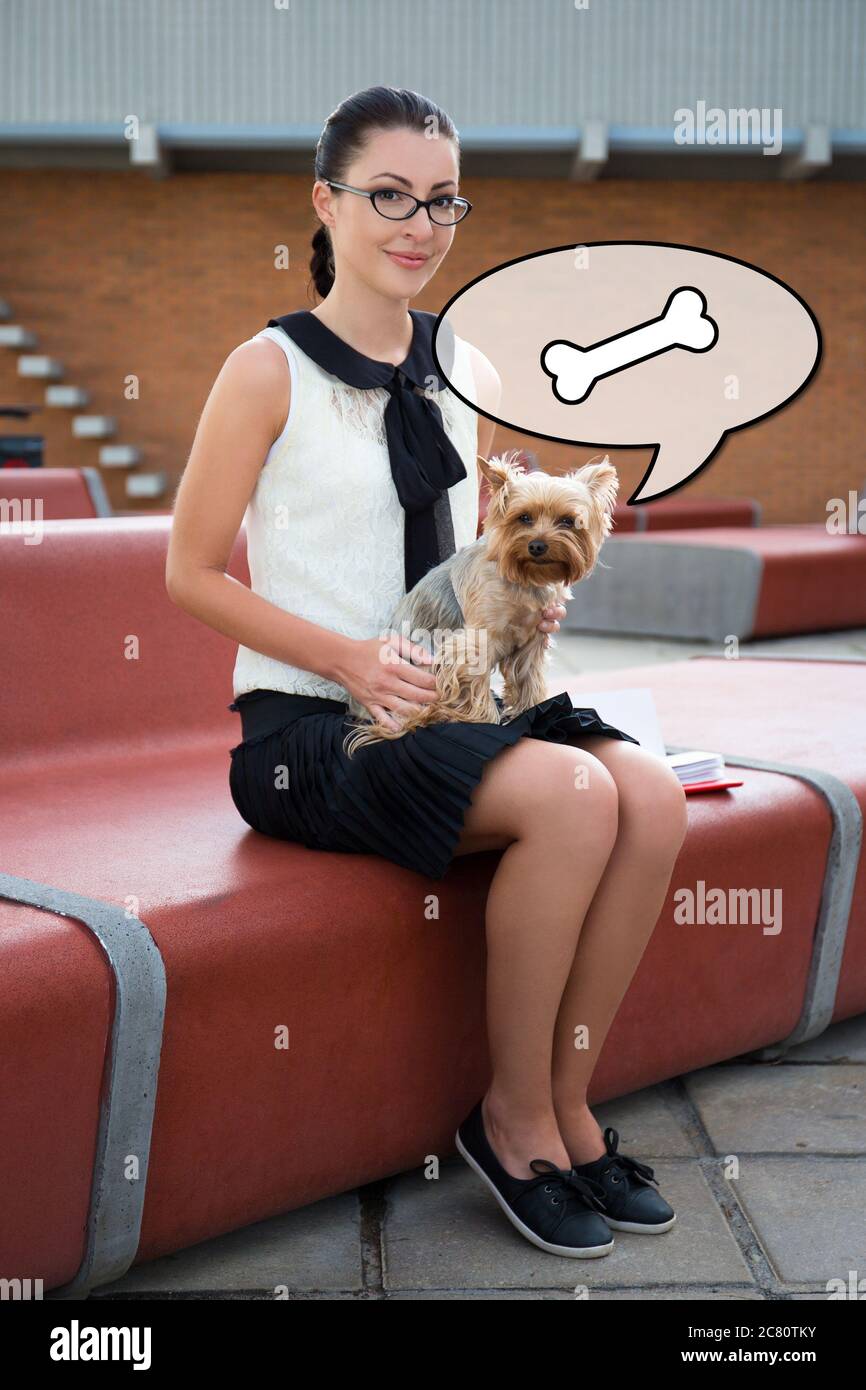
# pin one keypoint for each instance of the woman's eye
(446, 202)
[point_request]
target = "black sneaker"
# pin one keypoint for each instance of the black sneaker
(631, 1202)
(557, 1210)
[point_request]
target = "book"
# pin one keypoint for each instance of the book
(701, 771)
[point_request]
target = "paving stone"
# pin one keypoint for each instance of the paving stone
(450, 1233)
(648, 1128)
(841, 1042)
(315, 1247)
(809, 1214)
(765, 1108)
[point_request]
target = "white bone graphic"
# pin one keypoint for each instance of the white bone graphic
(683, 323)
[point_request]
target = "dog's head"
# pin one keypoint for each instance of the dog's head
(542, 529)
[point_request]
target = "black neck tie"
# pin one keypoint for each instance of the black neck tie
(424, 462)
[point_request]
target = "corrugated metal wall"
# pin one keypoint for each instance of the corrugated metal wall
(512, 63)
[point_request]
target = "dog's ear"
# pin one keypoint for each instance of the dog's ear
(500, 470)
(602, 481)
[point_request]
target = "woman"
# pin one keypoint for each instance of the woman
(311, 424)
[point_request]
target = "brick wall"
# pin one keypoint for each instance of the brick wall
(120, 274)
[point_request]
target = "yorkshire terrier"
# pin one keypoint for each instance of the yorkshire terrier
(480, 608)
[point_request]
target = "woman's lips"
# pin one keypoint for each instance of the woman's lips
(410, 262)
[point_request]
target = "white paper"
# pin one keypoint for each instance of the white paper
(631, 709)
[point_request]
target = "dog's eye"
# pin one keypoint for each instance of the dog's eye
(565, 521)
(525, 517)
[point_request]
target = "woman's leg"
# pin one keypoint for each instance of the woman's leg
(617, 927)
(557, 841)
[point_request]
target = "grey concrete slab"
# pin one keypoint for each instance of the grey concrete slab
(450, 1233)
(809, 1214)
(314, 1248)
(648, 1127)
(841, 1042)
(805, 1108)
(581, 653)
(652, 588)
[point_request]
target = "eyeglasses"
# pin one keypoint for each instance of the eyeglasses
(397, 206)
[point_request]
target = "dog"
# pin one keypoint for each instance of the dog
(480, 609)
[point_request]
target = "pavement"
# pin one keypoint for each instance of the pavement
(764, 1163)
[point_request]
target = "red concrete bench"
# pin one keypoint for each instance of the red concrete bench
(685, 512)
(713, 583)
(59, 492)
(794, 728)
(155, 948)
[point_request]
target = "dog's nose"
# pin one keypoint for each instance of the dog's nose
(537, 549)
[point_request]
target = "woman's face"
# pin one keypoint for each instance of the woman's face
(406, 161)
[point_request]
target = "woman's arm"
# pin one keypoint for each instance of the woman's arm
(245, 412)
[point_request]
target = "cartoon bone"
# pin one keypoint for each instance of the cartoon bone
(683, 323)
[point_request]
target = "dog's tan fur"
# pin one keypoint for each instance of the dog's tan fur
(501, 587)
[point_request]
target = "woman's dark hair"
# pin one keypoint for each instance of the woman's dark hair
(344, 135)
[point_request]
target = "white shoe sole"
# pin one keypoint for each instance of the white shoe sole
(587, 1252)
(641, 1228)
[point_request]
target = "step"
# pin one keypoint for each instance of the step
(96, 488)
(15, 335)
(119, 455)
(93, 426)
(39, 366)
(146, 484)
(67, 396)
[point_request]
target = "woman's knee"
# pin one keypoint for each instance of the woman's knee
(548, 789)
(565, 793)
(586, 803)
(653, 806)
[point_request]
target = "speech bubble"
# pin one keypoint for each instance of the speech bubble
(634, 344)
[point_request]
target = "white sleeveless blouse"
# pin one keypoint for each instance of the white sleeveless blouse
(324, 524)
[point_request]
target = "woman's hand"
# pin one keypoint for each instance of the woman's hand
(379, 673)
(550, 618)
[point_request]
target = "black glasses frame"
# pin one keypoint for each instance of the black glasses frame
(419, 202)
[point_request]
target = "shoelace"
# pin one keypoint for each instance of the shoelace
(630, 1167)
(583, 1189)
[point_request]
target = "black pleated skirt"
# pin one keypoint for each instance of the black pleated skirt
(403, 799)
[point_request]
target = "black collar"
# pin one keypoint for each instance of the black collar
(334, 354)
